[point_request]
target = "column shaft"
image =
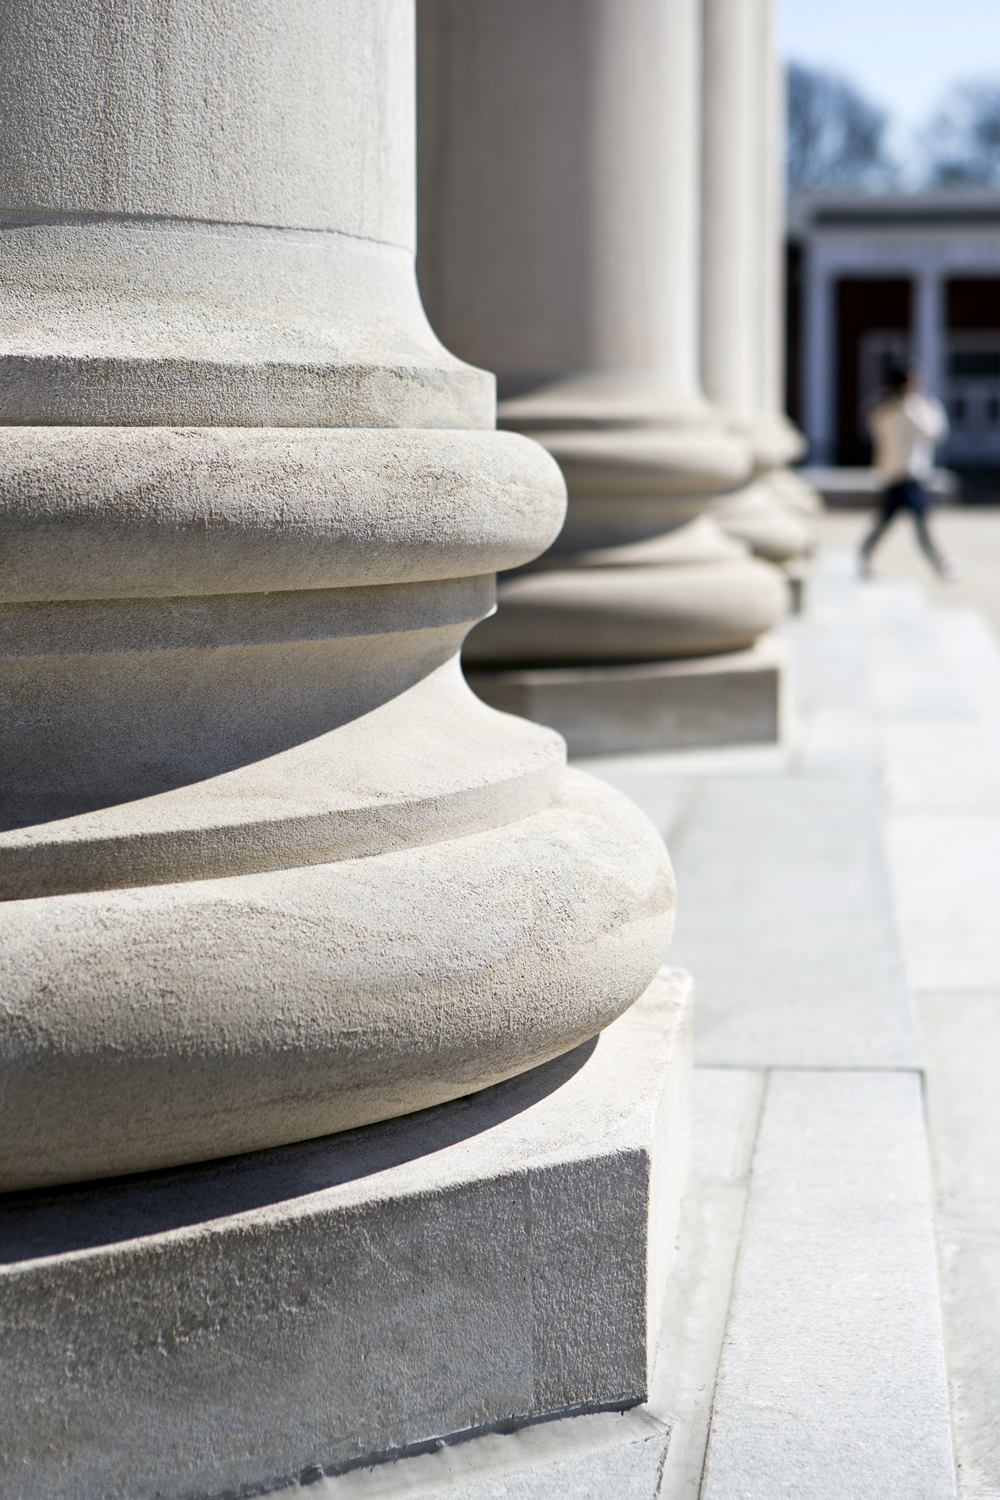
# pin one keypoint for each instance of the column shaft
(929, 328)
(742, 305)
(559, 245)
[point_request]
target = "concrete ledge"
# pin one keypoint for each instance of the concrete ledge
(221, 1330)
(733, 698)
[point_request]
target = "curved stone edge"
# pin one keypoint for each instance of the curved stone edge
(432, 763)
(768, 525)
(219, 325)
(225, 1329)
(232, 1015)
(700, 540)
(134, 512)
(628, 614)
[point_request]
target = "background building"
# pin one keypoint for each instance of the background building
(874, 279)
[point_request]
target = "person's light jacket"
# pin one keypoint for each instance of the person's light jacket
(905, 430)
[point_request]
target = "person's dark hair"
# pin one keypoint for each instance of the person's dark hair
(896, 379)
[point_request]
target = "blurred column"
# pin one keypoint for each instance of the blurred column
(929, 327)
(559, 246)
(742, 305)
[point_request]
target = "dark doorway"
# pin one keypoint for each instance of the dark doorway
(873, 329)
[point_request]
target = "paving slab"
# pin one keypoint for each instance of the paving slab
(912, 676)
(962, 1034)
(832, 1383)
(786, 916)
(950, 767)
(831, 709)
(973, 649)
(946, 874)
(941, 789)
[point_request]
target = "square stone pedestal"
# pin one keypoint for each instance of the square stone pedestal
(223, 1329)
(735, 698)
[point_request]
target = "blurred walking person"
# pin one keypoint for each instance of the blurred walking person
(905, 425)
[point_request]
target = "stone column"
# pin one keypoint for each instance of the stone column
(742, 312)
(269, 869)
(559, 198)
(819, 357)
(929, 327)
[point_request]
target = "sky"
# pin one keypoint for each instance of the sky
(902, 54)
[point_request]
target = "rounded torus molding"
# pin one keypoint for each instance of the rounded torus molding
(691, 592)
(638, 459)
(269, 869)
(797, 493)
(766, 522)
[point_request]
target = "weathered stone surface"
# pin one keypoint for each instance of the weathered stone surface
(174, 1022)
(214, 1329)
(271, 870)
(156, 512)
(576, 281)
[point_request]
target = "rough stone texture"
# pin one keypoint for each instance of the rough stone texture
(243, 1015)
(141, 513)
(269, 869)
(219, 324)
(837, 1257)
(734, 698)
(239, 1323)
(184, 165)
(147, 142)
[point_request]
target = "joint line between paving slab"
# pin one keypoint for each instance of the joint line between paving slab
(682, 1467)
(746, 1147)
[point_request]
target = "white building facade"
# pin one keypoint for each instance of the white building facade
(897, 278)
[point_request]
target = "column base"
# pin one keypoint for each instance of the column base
(771, 527)
(223, 1329)
(733, 698)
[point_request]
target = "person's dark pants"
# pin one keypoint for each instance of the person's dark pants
(907, 495)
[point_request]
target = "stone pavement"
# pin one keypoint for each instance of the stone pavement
(802, 1351)
(969, 534)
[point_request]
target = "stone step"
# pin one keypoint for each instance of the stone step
(801, 1350)
(940, 758)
